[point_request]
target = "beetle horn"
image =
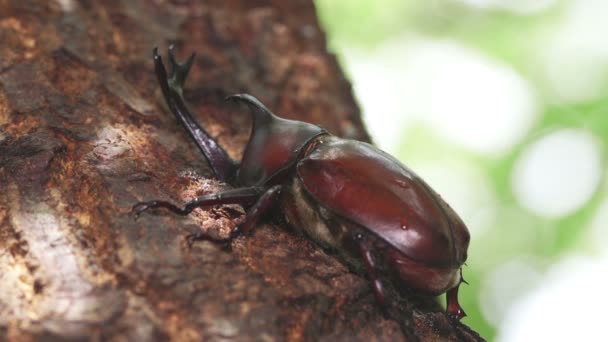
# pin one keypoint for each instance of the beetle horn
(259, 112)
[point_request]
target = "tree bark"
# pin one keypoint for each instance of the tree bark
(84, 135)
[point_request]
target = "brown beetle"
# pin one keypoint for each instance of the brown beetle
(345, 194)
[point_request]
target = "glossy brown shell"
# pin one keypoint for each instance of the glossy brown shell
(366, 185)
(274, 145)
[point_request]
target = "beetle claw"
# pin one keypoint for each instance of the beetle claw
(138, 209)
(457, 316)
(179, 71)
(462, 278)
(190, 238)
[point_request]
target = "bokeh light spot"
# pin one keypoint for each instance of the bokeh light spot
(574, 57)
(504, 284)
(558, 173)
(569, 305)
(468, 98)
(514, 6)
(598, 232)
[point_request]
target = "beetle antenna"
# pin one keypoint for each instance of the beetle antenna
(259, 112)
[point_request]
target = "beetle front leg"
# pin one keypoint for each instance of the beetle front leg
(370, 267)
(172, 89)
(243, 196)
(252, 216)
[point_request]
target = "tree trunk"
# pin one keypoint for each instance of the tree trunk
(84, 135)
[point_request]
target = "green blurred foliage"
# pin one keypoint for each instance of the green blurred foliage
(511, 39)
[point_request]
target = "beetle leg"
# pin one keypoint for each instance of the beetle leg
(253, 215)
(260, 207)
(453, 307)
(242, 196)
(462, 278)
(370, 267)
(172, 89)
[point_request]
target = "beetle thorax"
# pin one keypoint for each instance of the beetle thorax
(274, 145)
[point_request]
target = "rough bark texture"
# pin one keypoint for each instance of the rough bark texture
(84, 136)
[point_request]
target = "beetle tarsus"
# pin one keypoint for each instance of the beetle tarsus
(179, 71)
(143, 206)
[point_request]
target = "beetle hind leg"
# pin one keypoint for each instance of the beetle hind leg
(454, 309)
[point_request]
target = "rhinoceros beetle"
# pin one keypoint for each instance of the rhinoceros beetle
(346, 195)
